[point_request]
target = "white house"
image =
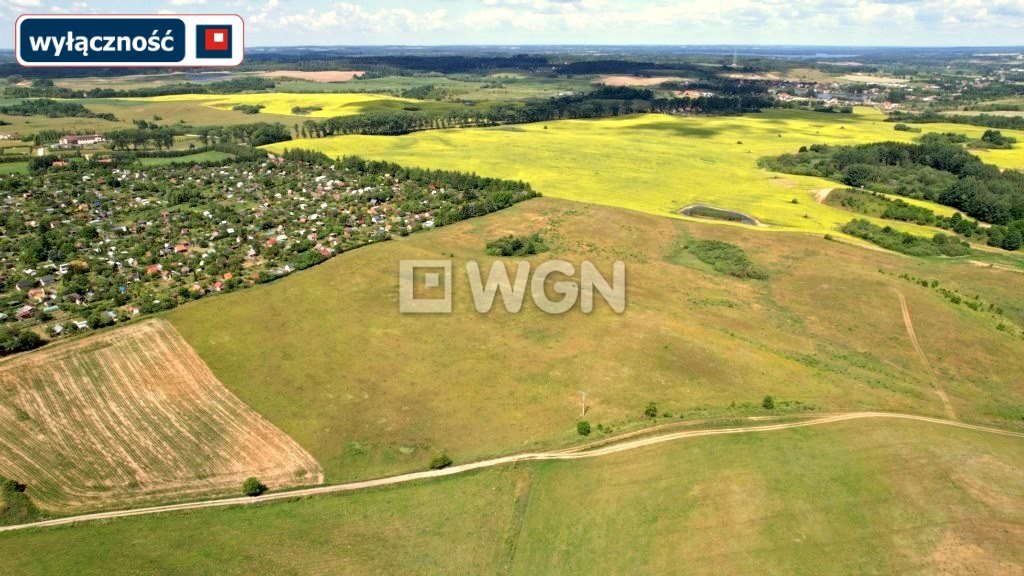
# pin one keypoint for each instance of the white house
(86, 140)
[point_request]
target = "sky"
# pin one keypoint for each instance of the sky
(523, 22)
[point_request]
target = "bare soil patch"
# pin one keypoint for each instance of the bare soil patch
(133, 416)
(319, 76)
(627, 80)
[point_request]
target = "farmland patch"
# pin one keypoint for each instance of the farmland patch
(133, 416)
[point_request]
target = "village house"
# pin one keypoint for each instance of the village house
(37, 294)
(76, 141)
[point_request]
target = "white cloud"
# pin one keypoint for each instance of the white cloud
(653, 21)
(345, 16)
(20, 4)
(187, 2)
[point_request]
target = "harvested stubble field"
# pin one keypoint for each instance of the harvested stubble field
(133, 416)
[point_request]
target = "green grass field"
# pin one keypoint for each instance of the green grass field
(328, 358)
(863, 497)
(13, 167)
(208, 156)
(656, 163)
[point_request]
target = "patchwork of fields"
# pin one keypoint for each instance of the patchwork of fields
(654, 163)
(865, 497)
(132, 416)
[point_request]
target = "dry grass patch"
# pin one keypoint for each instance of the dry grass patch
(133, 416)
(628, 80)
(319, 76)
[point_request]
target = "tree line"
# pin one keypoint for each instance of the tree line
(986, 120)
(603, 102)
(45, 88)
(53, 109)
(932, 169)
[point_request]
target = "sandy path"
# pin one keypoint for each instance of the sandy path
(924, 359)
(995, 266)
(571, 454)
(821, 195)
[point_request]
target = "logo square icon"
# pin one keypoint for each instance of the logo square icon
(213, 41)
(425, 286)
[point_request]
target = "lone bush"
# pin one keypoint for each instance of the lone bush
(253, 487)
(11, 486)
(583, 428)
(651, 411)
(768, 403)
(517, 245)
(440, 461)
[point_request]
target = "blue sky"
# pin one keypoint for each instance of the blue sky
(831, 22)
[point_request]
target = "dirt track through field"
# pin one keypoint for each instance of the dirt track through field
(924, 359)
(587, 451)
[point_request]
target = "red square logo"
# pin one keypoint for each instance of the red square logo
(216, 39)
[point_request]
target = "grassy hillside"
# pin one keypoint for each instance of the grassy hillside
(326, 355)
(655, 163)
(866, 497)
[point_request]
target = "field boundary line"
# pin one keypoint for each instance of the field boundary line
(576, 454)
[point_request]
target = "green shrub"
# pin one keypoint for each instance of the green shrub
(248, 108)
(583, 428)
(440, 461)
(651, 411)
(768, 403)
(253, 487)
(726, 259)
(517, 245)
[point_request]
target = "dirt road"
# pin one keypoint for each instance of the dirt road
(924, 359)
(589, 451)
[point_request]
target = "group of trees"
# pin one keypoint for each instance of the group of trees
(892, 239)
(53, 109)
(44, 88)
(248, 108)
(876, 204)
(603, 102)
(986, 120)
(517, 245)
(158, 137)
(255, 134)
(14, 340)
(934, 169)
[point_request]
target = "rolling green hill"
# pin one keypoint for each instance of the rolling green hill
(328, 358)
